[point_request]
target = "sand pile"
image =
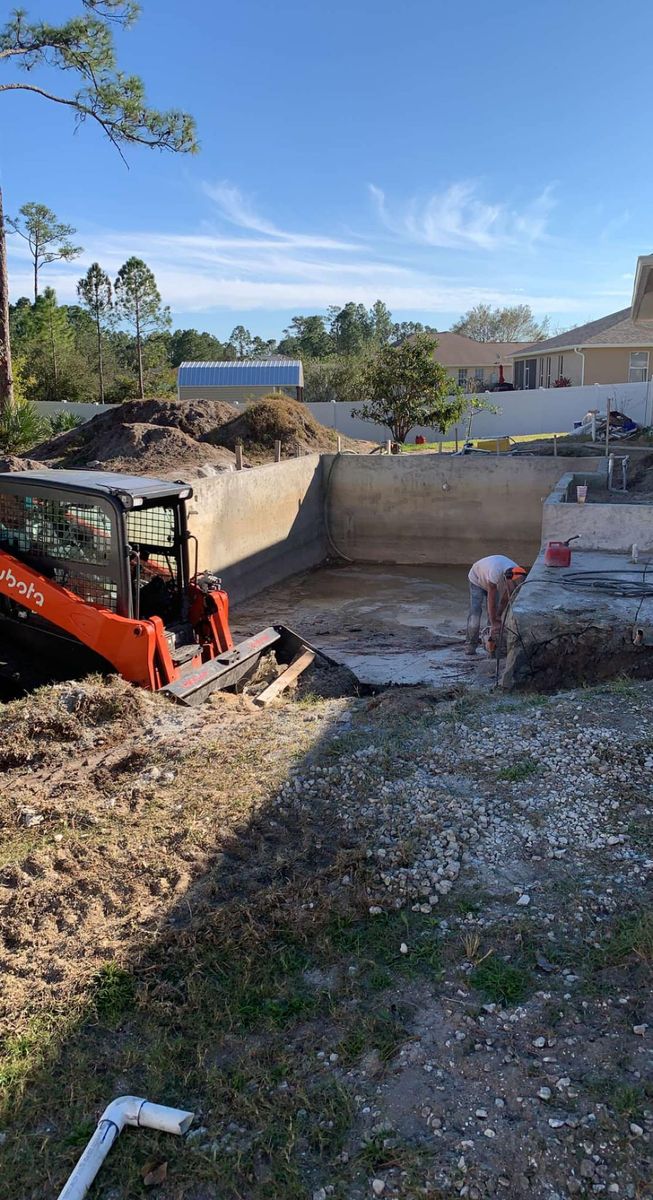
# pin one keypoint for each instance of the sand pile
(148, 437)
(278, 418)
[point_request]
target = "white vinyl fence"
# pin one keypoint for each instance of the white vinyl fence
(542, 410)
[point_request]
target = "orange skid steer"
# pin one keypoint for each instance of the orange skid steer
(95, 569)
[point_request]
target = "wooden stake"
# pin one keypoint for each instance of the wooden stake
(339, 444)
(440, 446)
(555, 445)
(388, 446)
(456, 432)
(239, 456)
(277, 451)
(278, 685)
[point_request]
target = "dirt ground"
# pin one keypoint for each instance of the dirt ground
(164, 437)
(281, 419)
(397, 945)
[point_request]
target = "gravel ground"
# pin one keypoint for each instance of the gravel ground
(538, 817)
(430, 920)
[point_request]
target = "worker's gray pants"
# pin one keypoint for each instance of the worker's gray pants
(477, 598)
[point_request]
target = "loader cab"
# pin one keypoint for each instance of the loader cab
(117, 541)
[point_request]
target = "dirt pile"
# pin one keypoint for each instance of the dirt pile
(156, 437)
(164, 437)
(11, 462)
(279, 419)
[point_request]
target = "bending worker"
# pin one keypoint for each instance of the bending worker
(491, 580)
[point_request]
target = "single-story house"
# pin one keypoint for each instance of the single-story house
(614, 349)
(475, 365)
(249, 379)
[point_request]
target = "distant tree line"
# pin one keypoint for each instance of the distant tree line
(117, 342)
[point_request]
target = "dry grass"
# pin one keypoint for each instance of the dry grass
(168, 930)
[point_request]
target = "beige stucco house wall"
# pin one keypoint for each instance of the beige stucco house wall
(612, 363)
(473, 364)
(613, 349)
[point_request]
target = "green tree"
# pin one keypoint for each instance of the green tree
(241, 341)
(188, 345)
(514, 323)
(306, 337)
(382, 323)
(405, 329)
(352, 328)
(53, 333)
(406, 386)
(20, 317)
(47, 341)
(333, 379)
(94, 290)
(48, 239)
(82, 51)
(263, 347)
(138, 302)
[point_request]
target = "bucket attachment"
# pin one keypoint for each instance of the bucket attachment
(236, 665)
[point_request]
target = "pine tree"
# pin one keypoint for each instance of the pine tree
(94, 290)
(82, 50)
(138, 302)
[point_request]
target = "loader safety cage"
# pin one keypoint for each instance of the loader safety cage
(105, 537)
(98, 563)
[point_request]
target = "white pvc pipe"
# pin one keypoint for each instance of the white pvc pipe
(124, 1110)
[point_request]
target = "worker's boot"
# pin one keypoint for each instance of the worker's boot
(470, 648)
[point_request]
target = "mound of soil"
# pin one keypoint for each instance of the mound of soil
(162, 437)
(11, 462)
(279, 419)
(149, 437)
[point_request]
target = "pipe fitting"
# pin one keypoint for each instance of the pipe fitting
(124, 1110)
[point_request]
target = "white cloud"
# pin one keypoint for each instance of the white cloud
(457, 219)
(255, 265)
(236, 209)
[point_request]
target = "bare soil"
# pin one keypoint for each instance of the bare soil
(231, 909)
(277, 418)
(164, 437)
(150, 437)
(12, 462)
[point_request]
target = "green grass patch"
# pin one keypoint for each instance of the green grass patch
(518, 771)
(411, 448)
(501, 982)
(114, 993)
(629, 942)
(383, 1031)
(375, 943)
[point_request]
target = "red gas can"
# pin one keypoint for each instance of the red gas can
(558, 554)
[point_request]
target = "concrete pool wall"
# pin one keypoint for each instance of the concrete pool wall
(601, 525)
(256, 527)
(433, 508)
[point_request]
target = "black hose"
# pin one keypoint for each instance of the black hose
(610, 583)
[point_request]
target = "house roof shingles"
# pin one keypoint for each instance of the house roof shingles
(617, 329)
(456, 350)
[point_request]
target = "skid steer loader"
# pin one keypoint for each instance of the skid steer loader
(99, 570)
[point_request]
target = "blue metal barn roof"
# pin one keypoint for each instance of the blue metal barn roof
(262, 372)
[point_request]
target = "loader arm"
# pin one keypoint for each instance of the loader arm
(137, 649)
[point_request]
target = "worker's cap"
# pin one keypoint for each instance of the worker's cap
(515, 573)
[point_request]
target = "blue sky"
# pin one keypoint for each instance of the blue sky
(430, 154)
